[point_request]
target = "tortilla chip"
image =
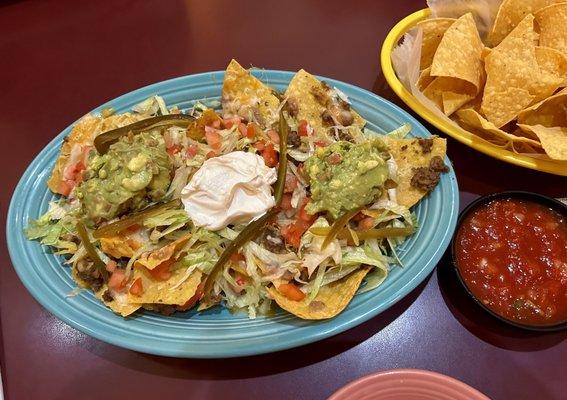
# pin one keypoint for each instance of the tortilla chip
(166, 292)
(120, 303)
(553, 139)
(408, 155)
(433, 30)
(459, 53)
(502, 107)
(425, 79)
(153, 259)
(329, 302)
(549, 112)
(552, 21)
(83, 133)
(485, 52)
(449, 94)
(475, 122)
(246, 96)
(301, 89)
(552, 62)
(510, 14)
(513, 64)
(453, 101)
(119, 246)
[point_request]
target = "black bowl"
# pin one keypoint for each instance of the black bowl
(534, 197)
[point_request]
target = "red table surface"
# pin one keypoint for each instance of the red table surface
(63, 58)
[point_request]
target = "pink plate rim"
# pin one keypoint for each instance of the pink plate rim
(389, 377)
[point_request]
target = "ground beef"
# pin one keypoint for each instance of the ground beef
(427, 178)
(426, 145)
(320, 94)
(293, 139)
(292, 107)
(424, 179)
(90, 274)
(344, 134)
(437, 165)
(272, 240)
(107, 296)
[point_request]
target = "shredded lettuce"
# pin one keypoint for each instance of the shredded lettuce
(368, 256)
(53, 227)
(151, 106)
(400, 132)
(311, 247)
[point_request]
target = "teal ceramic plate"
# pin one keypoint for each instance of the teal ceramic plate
(217, 333)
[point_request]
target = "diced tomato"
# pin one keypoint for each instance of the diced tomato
(216, 124)
(192, 150)
(117, 280)
(242, 129)
(237, 257)
(274, 136)
(240, 280)
(230, 122)
(137, 287)
(290, 183)
(161, 272)
(366, 223)
(250, 131)
(176, 148)
(270, 155)
(302, 129)
(260, 145)
(211, 154)
(71, 171)
(292, 233)
(320, 143)
(286, 202)
(303, 215)
(193, 300)
(213, 138)
(291, 291)
(65, 187)
(334, 159)
(111, 265)
(358, 217)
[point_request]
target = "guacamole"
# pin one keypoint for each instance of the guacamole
(134, 172)
(345, 176)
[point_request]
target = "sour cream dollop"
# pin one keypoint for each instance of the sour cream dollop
(229, 189)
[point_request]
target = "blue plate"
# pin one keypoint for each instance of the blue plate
(217, 333)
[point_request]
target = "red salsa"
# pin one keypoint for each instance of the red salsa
(512, 255)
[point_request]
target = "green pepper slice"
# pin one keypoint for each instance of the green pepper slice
(103, 141)
(91, 251)
(338, 226)
(376, 233)
(138, 218)
(250, 232)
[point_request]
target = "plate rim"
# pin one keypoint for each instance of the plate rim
(13, 238)
(401, 373)
(459, 134)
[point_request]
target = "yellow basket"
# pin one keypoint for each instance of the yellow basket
(463, 136)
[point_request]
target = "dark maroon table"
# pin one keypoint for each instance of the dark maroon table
(62, 58)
